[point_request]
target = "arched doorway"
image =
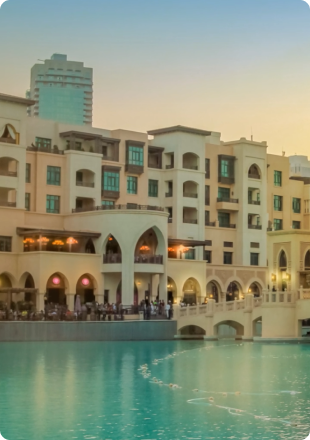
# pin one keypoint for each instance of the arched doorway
(30, 297)
(212, 291)
(119, 295)
(56, 289)
(234, 291)
(113, 253)
(86, 289)
(171, 290)
(255, 289)
(191, 291)
(5, 296)
(146, 247)
(282, 270)
(89, 247)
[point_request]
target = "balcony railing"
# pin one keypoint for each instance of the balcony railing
(45, 150)
(253, 176)
(85, 184)
(169, 194)
(192, 195)
(255, 226)
(8, 204)
(190, 221)
(8, 173)
(149, 259)
(112, 258)
(227, 200)
(8, 141)
(119, 207)
(227, 226)
(254, 202)
(210, 224)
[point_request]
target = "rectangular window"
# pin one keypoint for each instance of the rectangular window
(53, 175)
(223, 193)
(43, 143)
(295, 224)
(208, 256)
(153, 188)
(132, 185)
(53, 204)
(135, 155)
(5, 244)
(228, 244)
(224, 219)
(28, 172)
(277, 224)
(107, 203)
(254, 245)
(170, 212)
(207, 218)
(110, 181)
(277, 178)
(27, 201)
(254, 259)
(225, 168)
(207, 195)
(277, 203)
(207, 168)
(190, 254)
(296, 205)
(227, 258)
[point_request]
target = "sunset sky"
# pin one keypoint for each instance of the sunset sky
(221, 65)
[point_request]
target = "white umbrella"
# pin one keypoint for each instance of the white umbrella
(77, 306)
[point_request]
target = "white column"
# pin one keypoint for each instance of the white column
(163, 286)
(128, 277)
(40, 301)
(154, 286)
(70, 301)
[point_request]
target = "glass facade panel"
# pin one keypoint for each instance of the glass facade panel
(43, 143)
(277, 203)
(153, 188)
(277, 178)
(53, 204)
(53, 175)
(110, 181)
(28, 172)
(296, 205)
(132, 185)
(224, 193)
(135, 155)
(190, 254)
(5, 244)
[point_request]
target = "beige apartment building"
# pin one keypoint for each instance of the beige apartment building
(121, 216)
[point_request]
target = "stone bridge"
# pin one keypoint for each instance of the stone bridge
(280, 313)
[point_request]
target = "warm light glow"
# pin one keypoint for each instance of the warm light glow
(183, 248)
(71, 240)
(170, 249)
(43, 240)
(110, 239)
(138, 283)
(28, 240)
(250, 290)
(56, 281)
(58, 243)
(85, 282)
(211, 296)
(144, 248)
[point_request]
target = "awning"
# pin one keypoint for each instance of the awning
(60, 233)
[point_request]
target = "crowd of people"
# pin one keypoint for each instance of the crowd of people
(90, 312)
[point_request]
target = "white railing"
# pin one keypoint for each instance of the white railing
(258, 301)
(280, 297)
(303, 294)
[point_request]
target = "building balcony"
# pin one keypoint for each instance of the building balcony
(255, 227)
(85, 184)
(191, 195)
(224, 204)
(119, 207)
(112, 258)
(212, 224)
(254, 176)
(134, 169)
(169, 194)
(228, 225)
(169, 167)
(149, 259)
(190, 167)
(8, 173)
(7, 204)
(45, 150)
(110, 194)
(253, 202)
(190, 221)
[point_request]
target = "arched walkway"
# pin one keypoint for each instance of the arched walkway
(150, 247)
(191, 291)
(213, 291)
(85, 287)
(56, 287)
(171, 290)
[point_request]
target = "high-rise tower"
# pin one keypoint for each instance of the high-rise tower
(63, 91)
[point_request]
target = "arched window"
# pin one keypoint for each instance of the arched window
(8, 134)
(254, 172)
(307, 261)
(282, 260)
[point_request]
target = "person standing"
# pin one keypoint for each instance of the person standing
(167, 309)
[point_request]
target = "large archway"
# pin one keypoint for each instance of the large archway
(5, 296)
(85, 288)
(113, 252)
(213, 291)
(150, 247)
(56, 289)
(191, 292)
(171, 290)
(256, 289)
(193, 331)
(229, 329)
(234, 291)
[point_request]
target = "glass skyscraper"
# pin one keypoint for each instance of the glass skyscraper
(63, 91)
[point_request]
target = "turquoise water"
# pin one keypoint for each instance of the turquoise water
(98, 391)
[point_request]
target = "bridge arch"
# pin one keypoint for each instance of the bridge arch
(192, 330)
(228, 328)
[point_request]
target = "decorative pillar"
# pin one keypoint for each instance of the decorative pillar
(248, 325)
(70, 301)
(163, 286)
(128, 277)
(154, 286)
(40, 301)
(210, 336)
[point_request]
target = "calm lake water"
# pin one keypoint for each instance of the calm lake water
(98, 391)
